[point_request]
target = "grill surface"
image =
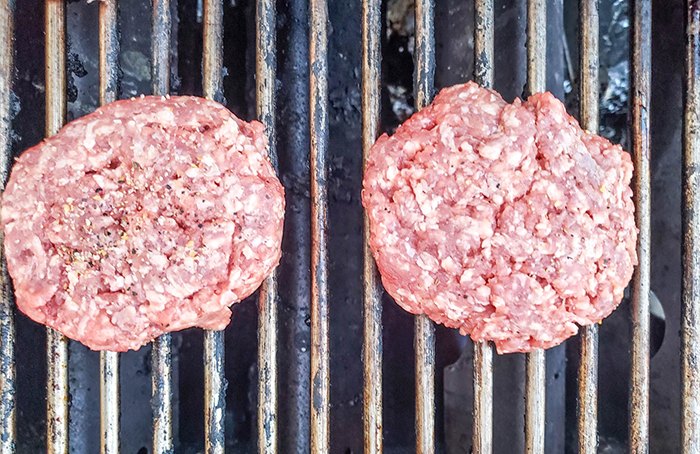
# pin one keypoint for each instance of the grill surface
(314, 397)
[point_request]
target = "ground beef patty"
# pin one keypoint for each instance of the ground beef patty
(506, 221)
(148, 215)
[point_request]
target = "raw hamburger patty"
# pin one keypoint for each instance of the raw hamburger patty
(506, 221)
(148, 215)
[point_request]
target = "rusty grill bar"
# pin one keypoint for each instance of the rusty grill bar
(215, 384)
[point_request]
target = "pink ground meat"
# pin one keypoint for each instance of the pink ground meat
(507, 221)
(147, 216)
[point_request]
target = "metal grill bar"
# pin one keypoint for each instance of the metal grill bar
(587, 404)
(266, 66)
(161, 400)
(214, 352)
(161, 374)
(640, 93)
(424, 337)
(588, 391)
(535, 378)
(482, 431)
(372, 292)
(56, 343)
(109, 402)
(109, 361)
(691, 240)
(318, 110)
(214, 392)
(7, 323)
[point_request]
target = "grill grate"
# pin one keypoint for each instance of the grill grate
(690, 336)
(215, 384)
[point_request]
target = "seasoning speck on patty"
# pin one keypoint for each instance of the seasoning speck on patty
(507, 221)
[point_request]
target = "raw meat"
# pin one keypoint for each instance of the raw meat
(506, 221)
(147, 216)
